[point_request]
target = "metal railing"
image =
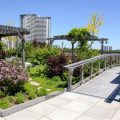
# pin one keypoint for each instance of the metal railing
(112, 59)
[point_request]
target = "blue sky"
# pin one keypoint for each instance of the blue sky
(67, 14)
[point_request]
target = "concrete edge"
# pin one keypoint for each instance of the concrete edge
(29, 103)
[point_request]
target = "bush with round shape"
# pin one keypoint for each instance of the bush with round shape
(12, 78)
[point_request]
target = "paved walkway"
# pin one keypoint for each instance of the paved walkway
(105, 85)
(76, 106)
(70, 106)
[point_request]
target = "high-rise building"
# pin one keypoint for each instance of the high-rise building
(39, 27)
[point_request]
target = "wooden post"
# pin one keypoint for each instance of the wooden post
(118, 60)
(72, 51)
(110, 61)
(70, 76)
(104, 63)
(82, 73)
(23, 53)
(91, 69)
(99, 66)
(102, 45)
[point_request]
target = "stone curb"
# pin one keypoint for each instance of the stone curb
(29, 103)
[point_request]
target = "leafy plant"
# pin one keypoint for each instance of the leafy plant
(2, 94)
(4, 103)
(32, 95)
(12, 78)
(42, 92)
(19, 98)
(55, 65)
(39, 70)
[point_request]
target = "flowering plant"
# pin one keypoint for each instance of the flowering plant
(12, 78)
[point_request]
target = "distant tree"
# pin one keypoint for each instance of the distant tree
(95, 22)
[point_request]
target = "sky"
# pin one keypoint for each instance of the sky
(67, 14)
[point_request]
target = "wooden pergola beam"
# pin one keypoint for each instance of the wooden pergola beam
(15, 31)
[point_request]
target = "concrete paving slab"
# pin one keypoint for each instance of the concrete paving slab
(58, 101)
(62, 114)
(77, 107)
(86, 118)
(23, 115)
(44, 119)
(116, 116)
(69, 96)
(42, 108)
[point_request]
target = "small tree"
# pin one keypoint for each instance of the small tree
(81, 35)
(95, 22)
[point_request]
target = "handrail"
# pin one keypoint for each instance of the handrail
(77, 64)
(71, 67)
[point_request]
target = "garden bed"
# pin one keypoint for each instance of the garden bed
(29, 103)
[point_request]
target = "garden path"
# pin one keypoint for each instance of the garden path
(81, 103)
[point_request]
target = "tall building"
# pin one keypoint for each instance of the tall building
(39, 27)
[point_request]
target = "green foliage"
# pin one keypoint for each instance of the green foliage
(39, 70)
(41, 92)
(4, 103)
(38, 55)
(10, 52)
(19, 98)
(95, 22)
(79, 34)
(2, 94)
(32, 95)
(31, 91)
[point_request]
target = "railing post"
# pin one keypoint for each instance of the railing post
(91, 69)
(99, 65)
(118, 60)
(70, 76)
(110, 61)
(82, 73)
(104, 63)
(115, 60)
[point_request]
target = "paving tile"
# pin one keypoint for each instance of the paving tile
(116, 116)
(58, 101)
(2, 118)
(44, 118)
(69, 95)
(87, 100)
(42, 108)
(87, 118)
(23, 115)
(62, 114)
(77, 107)
(102, 111)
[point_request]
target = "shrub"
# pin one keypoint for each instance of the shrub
(2, 94)
(32, 95)
(4, 103)
(19, 98)
(42, 92)
(12, 78)
(37, 71)
(2, 54)
(11, 52)
(38, 55)
(55, 65)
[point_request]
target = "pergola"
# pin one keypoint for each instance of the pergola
(15, 31)
(71, 39)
